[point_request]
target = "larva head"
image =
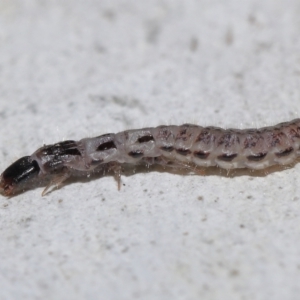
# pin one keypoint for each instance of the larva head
(18, 174)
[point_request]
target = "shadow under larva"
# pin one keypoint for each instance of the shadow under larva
(185, 149)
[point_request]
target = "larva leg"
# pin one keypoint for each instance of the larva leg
(117, 170)
(56, 182)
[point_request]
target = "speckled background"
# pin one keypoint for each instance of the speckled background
(72, 69)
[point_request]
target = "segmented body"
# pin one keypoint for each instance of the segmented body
(166, 145)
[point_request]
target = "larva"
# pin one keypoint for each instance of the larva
(176, 146)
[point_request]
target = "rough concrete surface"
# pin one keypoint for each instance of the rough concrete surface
(76, 68)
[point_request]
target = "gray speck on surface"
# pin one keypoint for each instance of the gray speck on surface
(153, 29)
(229, 37)
(194, 44)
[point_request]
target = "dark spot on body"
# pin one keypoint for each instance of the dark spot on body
(252, 140)
(285, 152)
(96, 162)
(206, 137)
(54, 164)
(227, 157)
(275, 140)
(164, 133)
(145, 139)
(294, 133)
(201, 154)
(136, 153)
(257, 157)
(183, 133)
(73, 151)
(228, 139)
(62, 148)
(106, 146)
(183, 151)
(167, 148)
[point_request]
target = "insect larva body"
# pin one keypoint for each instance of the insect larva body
(167, 145)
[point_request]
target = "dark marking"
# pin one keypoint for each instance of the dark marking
(73, 151)
(275, 138)
(227, 157)
(257, 157)
(183, 151)
(63, 148)
(201, 154)
(228, 139)
(206, 137)
(164, 132)
(294, 133)
(167, 148)
(285, 152)
(106, 146)
(183, 131)
(145, 139)
(96, 162)
(182, 137)
(54, 165)
(136, 153)
(252, 140)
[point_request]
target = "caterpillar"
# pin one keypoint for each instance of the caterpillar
(176, 146)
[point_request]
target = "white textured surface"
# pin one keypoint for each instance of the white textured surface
(71, 69)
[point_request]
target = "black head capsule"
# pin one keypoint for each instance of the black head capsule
(18, 173)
